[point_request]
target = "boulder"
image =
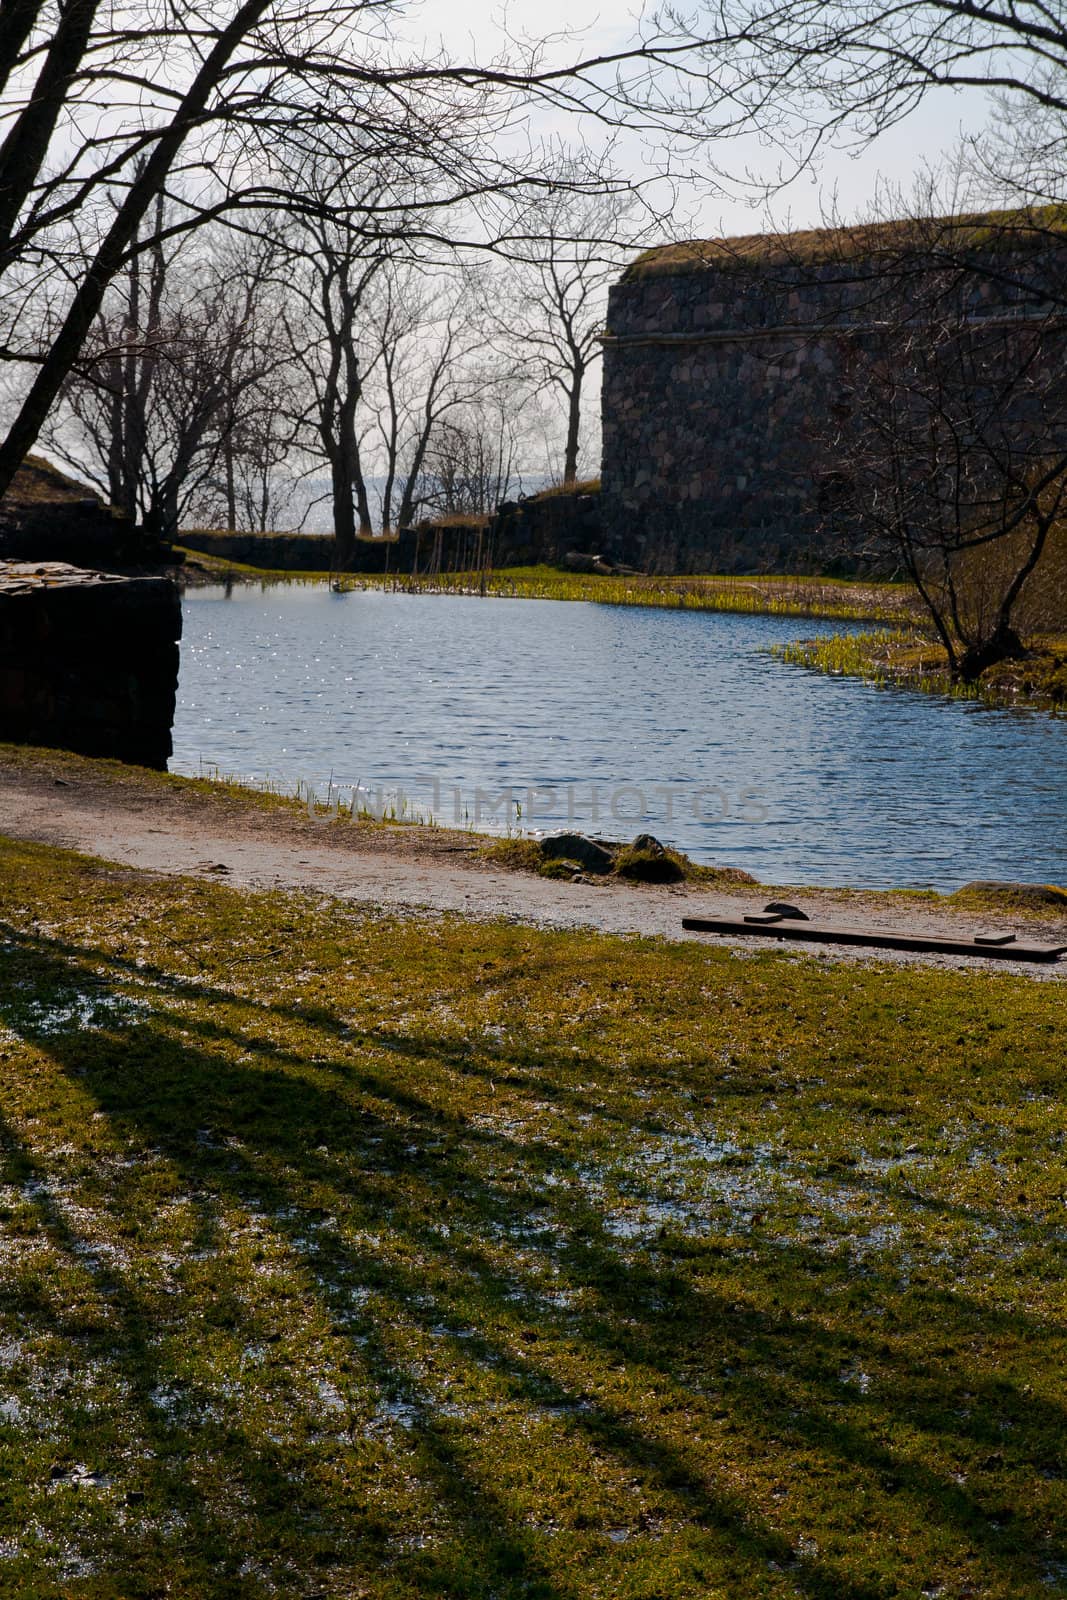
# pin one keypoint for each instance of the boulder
(590, 854)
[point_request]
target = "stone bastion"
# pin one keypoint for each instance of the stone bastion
(726, 363)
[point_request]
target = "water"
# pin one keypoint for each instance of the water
(617, 720)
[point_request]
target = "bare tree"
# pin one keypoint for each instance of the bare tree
(198, 95)
(474, 457)
(802, 72)
(428, 346)
(382, 345)
(549, 308)
(952, 455)
(169, 379)
(331, 270)
(253, 487)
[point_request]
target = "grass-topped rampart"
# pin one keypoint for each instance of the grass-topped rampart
(979, 231)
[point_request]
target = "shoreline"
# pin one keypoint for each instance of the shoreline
(1034, 683)
(816, 598)
(164, 824)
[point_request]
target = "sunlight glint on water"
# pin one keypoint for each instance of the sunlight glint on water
(735, 758)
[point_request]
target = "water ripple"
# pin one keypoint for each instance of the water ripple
(858, 785)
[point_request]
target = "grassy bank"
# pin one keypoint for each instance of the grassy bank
(906, 660)
(425, 1259)
(201, 568)
(840, 599)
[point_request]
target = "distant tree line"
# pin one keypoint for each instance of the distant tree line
(239, 237)
(225, 370)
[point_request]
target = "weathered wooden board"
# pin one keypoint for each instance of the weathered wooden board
(998, 946)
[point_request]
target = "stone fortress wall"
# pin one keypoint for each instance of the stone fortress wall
(88, 660)
(725, 367)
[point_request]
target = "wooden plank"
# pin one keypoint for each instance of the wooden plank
(877, 939)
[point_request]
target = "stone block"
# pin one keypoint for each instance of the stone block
(88, 660)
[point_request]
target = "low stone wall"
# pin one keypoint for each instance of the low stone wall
(546, 528)
(88, 661)
(302, 552)
(47, 516)
(521, 533)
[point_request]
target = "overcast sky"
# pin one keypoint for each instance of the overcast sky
(469, 27)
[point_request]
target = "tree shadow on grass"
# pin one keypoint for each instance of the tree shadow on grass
(350, 1156)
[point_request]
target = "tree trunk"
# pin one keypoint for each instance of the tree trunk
(145, 188)
(25, 148)
(1004, 645)
(231, 491)
(344, 519)
(574, 417)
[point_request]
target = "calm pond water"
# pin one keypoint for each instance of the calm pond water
(497, 713)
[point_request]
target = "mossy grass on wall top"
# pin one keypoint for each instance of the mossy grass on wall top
(1014, 230)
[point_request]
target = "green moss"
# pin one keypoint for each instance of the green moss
(651, 866)
(560, 868)
(409, 1259)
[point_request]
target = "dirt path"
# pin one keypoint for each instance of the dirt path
(169, 825)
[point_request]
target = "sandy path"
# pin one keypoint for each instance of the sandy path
(140, 820)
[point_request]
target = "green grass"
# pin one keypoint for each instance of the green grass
(404, 1260)
(906, 659)
(1015, 230)
(556, 491)
(838, 598)
(221, 795)
(841, 599)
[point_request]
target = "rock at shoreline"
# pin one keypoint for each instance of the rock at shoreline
(644, 860)
(589, 854)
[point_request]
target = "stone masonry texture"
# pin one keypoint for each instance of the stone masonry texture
(722, 381)
(88, 661)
